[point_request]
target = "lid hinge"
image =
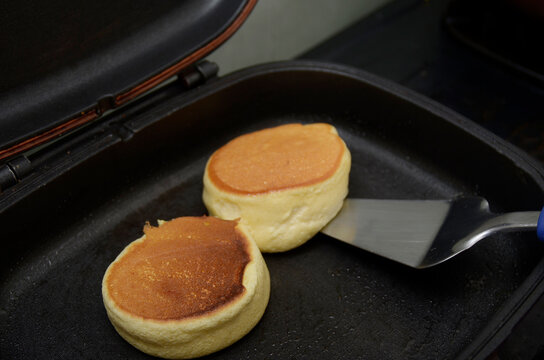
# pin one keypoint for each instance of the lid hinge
(104, 104)
(14, 171)
(198, 74)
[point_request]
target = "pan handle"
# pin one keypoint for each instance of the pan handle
(540, 225)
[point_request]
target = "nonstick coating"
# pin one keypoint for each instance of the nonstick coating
(328, 300)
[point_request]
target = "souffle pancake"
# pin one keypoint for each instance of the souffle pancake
(284, 183)
(187, 288)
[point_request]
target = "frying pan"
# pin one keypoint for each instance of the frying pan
(93, 193)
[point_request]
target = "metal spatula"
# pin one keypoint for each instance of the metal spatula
(422, 233)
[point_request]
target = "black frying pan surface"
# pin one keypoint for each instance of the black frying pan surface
(328, 300)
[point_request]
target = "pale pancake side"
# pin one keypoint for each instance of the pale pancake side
(197, 333)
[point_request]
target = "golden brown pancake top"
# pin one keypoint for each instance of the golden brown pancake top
(183, 268)
(278, 158)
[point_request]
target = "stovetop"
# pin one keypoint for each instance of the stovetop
(409, 42)
(415, 43)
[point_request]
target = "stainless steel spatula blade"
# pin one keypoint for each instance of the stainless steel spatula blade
(421, 233)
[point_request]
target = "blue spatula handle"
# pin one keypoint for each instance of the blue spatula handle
(540, 226)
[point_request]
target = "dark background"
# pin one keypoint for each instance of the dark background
(482, 59)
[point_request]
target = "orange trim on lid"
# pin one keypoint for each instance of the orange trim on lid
(134, 92)
(198, 54)
(48, 135)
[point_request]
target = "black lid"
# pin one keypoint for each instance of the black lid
(59, 58)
